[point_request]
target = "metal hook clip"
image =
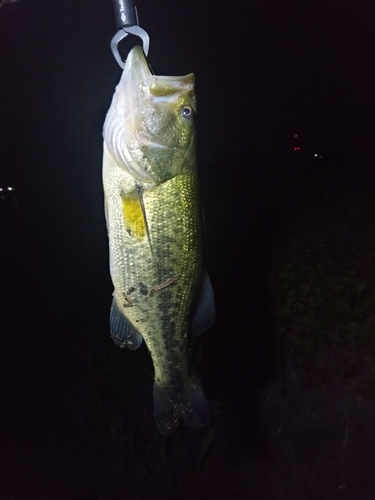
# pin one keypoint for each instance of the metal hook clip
(127, 24)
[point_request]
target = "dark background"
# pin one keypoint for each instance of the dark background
(265, 71)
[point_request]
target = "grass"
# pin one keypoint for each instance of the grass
(110, 447)
(317, 300)
(100, 441)
(323, 284)
(322, 305)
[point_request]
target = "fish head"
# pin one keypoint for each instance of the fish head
(149, 129)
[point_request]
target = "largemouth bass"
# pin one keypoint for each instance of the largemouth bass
(154, 220)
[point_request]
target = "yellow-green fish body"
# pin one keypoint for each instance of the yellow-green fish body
(154, 221)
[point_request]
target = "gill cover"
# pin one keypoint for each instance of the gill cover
(149, 128)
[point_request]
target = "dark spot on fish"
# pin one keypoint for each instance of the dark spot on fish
(131, 290)
(129, 231)
(174, 343)
(143, 288)
(177, 378)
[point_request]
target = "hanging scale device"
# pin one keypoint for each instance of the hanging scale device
(127, 24)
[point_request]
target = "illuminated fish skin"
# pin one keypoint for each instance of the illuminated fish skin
(154, 222)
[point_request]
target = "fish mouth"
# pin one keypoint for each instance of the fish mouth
(159, 89)
(120, 126)
(126, 132)
(159, 86)
(136, 71)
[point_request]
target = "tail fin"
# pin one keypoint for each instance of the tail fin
(189, 404)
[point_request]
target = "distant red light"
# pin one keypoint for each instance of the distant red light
(295, 135)
(297, 148)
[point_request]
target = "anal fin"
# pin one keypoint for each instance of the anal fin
(123, 332)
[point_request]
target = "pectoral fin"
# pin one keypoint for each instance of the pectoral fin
(133, 216)
(205, 313)
(123, 332)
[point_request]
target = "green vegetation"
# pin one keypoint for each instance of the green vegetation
(110, 439)
(318, 299)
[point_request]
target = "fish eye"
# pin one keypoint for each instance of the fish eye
(187, 111)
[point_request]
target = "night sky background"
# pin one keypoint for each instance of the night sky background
(265, 71)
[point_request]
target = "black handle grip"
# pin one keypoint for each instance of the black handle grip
(125, 13)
